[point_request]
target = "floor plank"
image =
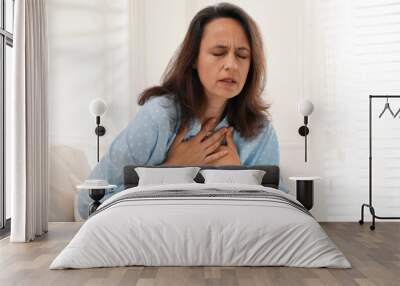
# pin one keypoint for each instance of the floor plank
(374, 255)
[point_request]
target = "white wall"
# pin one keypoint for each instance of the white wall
(115, 49)
(354, 47)
(89, 48)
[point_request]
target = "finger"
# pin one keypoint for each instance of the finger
(207, 126)
(215, 156)
(180, 135)
(216, 137)
(213, 147)
(229, 138)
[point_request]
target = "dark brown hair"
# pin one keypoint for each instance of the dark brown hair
(246, 112)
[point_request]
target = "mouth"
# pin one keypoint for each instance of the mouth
(228, 81)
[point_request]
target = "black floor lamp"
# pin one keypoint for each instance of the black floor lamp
(97, 108)
(305, 108)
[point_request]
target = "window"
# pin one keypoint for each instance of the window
(6, 44)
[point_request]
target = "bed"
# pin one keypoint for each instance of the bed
(201, 224)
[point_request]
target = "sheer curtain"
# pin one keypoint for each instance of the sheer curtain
(28, 120)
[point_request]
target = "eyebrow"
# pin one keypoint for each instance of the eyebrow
(225, 47)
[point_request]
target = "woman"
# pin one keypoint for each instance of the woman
(208, 109)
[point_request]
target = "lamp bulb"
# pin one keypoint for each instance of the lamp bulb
(97, 107)
(306, 107)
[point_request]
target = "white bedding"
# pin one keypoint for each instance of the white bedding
(180, 231)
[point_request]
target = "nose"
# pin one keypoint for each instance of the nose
(231, 62)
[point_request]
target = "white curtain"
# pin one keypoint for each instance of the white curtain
(29, 126)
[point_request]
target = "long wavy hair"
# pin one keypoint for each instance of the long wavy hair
(246, 112)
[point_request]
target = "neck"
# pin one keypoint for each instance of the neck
(214, 109)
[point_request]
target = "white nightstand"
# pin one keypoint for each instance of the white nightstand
(96, 192)
(305, 190)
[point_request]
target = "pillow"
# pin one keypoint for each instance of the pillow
(249, 177)
(162, 176)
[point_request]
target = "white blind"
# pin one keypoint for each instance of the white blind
(361, 44)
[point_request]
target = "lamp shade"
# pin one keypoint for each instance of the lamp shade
(97, 107)
(306, 107)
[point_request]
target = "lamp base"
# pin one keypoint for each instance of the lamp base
(305, 193)
(303, 130)
(100, 130)
(96, 195)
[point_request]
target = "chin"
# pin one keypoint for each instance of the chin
(227, 95)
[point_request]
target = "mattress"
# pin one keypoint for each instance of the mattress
(201, 225)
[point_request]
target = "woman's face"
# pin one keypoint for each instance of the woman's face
(224, 59)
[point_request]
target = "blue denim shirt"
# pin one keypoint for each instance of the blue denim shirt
(149, 135)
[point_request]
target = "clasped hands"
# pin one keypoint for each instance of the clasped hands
(203, 149)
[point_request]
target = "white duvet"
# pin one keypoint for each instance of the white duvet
(227, 231)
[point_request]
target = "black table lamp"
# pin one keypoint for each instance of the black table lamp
(97, 108)
(305, 108)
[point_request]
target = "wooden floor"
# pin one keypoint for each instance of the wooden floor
(374, 255)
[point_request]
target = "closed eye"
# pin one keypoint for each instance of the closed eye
(218, 54)
(221, 54)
